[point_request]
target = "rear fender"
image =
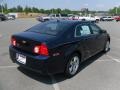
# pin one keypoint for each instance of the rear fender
(72, 50)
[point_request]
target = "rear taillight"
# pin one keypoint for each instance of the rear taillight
(41, 49)
(13, 41)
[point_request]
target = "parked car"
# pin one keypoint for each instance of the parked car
(58, 46)
(43, 18)
(89, 18)
(97, 18)
(3, 17)
(74, 17)
(52, 17)
(11, 17)
(107, 18)
(117, 18)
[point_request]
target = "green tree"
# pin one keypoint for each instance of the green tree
(58, 10)
(66, 11)
(4, 8)
(14, 9)
(35, 10)
(42, 11)
(19, 8)
(27, 10)
(0, 8)
(115, 11)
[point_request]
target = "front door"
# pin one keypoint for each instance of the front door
(87, 39)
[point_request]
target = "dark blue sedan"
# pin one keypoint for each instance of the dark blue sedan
(58, 46)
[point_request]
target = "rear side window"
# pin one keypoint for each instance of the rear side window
(82, 30)
(52, 28)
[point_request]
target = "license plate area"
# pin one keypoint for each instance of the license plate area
(21, 58)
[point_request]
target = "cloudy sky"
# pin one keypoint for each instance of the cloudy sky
(70, 4)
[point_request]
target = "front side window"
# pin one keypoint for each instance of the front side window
(95, 29)
(82, 30)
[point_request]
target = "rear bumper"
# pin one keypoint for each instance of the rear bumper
(41, 64)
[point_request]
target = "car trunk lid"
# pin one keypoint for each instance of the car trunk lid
(26, 41)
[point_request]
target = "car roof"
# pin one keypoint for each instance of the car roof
(69, 21)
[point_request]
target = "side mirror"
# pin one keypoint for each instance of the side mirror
(103, 31)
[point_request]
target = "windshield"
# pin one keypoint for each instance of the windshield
(52, 28)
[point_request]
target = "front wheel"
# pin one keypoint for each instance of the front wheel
(72, 65)
(107, 46)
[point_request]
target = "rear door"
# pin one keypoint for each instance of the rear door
(87, 40)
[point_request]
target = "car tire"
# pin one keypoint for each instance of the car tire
(83, 19)
(45, 20)
(107, 46)
(97, 20)
(72, 66)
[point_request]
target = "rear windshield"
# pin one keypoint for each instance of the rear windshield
(52, 28)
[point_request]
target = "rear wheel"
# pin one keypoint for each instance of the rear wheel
(116, 20)
(46, 20)
(72, 65)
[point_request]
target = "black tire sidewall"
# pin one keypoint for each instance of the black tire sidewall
(67, 73)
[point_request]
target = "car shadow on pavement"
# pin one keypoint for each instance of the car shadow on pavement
(58, 77)
(36, 76)
(83, 65)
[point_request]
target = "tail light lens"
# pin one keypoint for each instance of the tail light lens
(13, 41)
(41, 50)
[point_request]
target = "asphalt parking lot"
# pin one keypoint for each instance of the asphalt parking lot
(101, 72)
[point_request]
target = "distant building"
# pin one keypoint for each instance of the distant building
(84, 10)
(24, 15)
(102, 13)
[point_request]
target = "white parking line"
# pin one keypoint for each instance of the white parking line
(6, 67)
(115, 38)
(55, 84)
(100, 60)
(116, 60)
